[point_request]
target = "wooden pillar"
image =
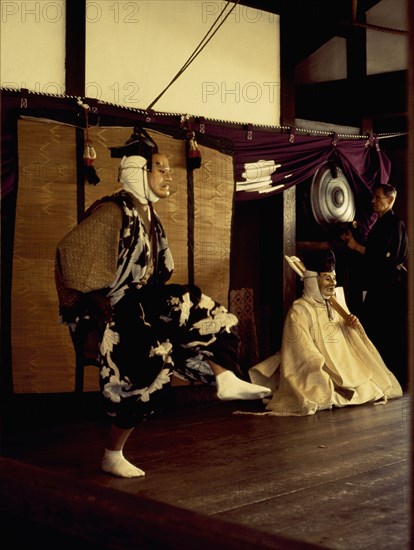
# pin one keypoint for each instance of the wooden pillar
(75, 81)
(287, 109)
(75, 47)
(356, 61)
(410, 229)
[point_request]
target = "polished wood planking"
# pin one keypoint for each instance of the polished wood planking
(339, 479)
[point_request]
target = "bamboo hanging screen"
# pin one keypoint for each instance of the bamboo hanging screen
(43, 359)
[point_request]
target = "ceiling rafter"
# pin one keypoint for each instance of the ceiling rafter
(314, 22)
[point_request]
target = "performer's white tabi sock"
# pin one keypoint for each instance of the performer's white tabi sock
(114, 462)
(229, 388)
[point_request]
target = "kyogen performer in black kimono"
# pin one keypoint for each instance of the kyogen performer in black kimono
(113, 268)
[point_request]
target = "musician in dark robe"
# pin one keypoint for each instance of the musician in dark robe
(384, 309)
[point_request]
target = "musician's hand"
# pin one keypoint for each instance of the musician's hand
(351, 243)
(352, 321)
(346, 235)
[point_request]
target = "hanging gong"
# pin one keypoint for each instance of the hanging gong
(331, 196)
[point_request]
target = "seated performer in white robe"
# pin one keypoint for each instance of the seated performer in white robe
(325, 360)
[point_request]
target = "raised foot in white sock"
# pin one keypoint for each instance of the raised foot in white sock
(230, 388)
(114, 462)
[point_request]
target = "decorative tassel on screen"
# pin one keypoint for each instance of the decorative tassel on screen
(193, 153)
(89, 154)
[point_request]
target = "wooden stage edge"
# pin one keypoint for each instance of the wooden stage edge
(102, 517)
(51, 507)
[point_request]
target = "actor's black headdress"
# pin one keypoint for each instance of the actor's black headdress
(140, 143)
(320, 260)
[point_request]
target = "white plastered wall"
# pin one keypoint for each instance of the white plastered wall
(135, 48)
(32, 45)
(236, 77)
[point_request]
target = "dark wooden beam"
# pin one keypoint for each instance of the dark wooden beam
(75, 47)
(331, 101)
(75, 81)
(356, 61)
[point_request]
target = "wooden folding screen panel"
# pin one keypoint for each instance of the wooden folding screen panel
(43, 360)
(213, 211)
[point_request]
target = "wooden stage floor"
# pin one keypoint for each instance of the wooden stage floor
(338, 480)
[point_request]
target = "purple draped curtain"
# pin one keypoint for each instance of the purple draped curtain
(296, 157)
(300, 157)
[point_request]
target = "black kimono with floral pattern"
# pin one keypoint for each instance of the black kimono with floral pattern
(156, 329)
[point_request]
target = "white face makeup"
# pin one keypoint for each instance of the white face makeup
(327, 283)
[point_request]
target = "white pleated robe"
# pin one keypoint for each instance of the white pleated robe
(323, 363)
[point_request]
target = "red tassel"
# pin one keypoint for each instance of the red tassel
(193, 152)
(89, 155)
